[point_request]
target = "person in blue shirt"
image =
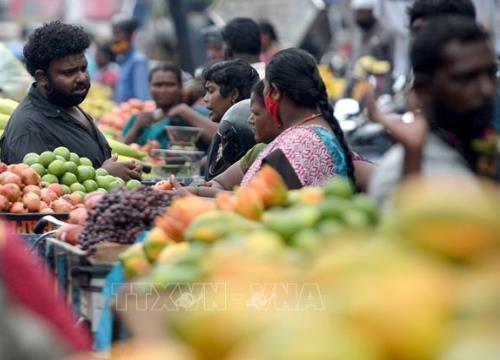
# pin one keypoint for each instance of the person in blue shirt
(133, 73)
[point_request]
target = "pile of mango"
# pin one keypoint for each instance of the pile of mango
(298, 218)
(319, 275)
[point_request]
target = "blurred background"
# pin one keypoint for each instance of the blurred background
(174, 29)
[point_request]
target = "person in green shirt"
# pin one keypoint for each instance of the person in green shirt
(165, 84)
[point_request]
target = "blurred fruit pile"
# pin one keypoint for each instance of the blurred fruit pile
(7, 107)
(240, 283)
(112, 122)
(98, 101)
(298, 218)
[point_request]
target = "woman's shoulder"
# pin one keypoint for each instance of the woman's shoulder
(300, 134)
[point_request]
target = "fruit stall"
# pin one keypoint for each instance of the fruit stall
(263, 272)
(316, 273)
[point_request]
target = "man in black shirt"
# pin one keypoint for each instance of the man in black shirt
(49, 116)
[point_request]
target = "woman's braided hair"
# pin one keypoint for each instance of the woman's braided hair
(295, 73)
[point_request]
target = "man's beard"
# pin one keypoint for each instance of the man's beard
(65, 99)
(465, 125)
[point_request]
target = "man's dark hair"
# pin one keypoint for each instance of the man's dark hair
(242, 36)
(428, 44)
(428, 9)
(167, 67)
(267, 28)
(52, 41)
(232, 75)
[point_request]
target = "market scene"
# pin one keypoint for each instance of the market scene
(250, 180)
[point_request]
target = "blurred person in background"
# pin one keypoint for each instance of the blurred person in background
(454, 67)
(166, 90)
(165, 84)
(214, 43)
(269, 41)
(420, 13)
(371, 37)
(107, 70)
(15, 81)
(50, 115)
(242, 41)
(134, 68)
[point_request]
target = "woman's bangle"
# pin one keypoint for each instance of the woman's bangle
(197, 190)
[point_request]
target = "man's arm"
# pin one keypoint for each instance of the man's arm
(15, 147)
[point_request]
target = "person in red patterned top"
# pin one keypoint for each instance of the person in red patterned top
(312, 146)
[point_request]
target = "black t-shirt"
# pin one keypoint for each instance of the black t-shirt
(38, 125)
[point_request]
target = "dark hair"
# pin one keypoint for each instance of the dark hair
(295, 73)
(167, 67)
(431, 8)
(232, 75)
(267, 28)
(212, 35)
(258, 91)
(127, 24)
(106, 50)
(242, 36)
(54, 40)
(425, 52)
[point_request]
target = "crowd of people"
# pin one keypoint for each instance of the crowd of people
(267, 104)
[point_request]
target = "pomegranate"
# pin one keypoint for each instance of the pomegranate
(73, 199)
(18, 168)
(61, 206)
(78, 216)
(32, 202)
(57, 188)
(11, 192)
(4, 203)
(3, 167)
(92, 199)
(30, 177)
(18, 208)
(9, 177)
(46, 210)
(32, 189)
(48, 195)
(69, 233)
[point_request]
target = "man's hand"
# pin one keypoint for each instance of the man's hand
(126, 171)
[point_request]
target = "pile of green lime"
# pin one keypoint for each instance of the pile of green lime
(75, 173)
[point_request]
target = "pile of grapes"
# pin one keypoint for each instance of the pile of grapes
(121, 215)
